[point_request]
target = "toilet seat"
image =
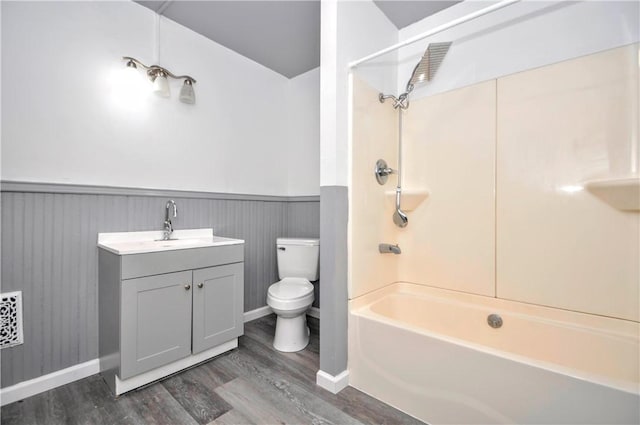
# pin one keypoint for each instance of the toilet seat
(291, 288)
(291, 293)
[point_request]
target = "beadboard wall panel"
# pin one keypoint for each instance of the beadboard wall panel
(303, 219)
(49, 252)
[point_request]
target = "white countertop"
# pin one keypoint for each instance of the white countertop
(125, 243)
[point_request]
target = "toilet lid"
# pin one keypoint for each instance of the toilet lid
(291, 288)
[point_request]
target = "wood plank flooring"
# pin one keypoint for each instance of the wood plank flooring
(253, 384)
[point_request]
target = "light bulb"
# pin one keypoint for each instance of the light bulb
(127, 86)
(187, 95)
(130, 78)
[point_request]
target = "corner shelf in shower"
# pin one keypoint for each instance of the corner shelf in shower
(620, 193)
(410, 199)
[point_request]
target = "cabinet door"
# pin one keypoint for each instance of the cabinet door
(156, 321)
(218, 304)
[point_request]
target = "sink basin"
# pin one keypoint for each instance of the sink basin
(124, 243)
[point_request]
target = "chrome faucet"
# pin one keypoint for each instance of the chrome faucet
(168, 227)
(387, 248)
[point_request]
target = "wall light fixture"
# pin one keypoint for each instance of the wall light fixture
(159, 77)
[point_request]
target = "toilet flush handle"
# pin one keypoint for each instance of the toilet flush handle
(281, 248)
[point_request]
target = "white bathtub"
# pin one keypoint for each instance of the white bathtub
(431, 353)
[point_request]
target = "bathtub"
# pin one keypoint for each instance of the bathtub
(431, 353)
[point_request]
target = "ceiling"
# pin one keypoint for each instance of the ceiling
(281, 35)
(403, 13)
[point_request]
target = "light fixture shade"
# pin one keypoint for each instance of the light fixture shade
(187, 95)
(161, 85)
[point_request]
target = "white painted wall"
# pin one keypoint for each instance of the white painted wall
(303, 160)
(522, 36)
(63, 121)
(350, 30)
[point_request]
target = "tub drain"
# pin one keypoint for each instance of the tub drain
(494, 320)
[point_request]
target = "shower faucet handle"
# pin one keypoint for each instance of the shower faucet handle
(382, 171)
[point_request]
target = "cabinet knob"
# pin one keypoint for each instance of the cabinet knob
(187, 286)
(200, 285)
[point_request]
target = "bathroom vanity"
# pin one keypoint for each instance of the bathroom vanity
(165, 305)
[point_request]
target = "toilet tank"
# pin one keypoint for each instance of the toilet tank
(298, 257)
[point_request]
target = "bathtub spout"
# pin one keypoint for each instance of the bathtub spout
(386, 248)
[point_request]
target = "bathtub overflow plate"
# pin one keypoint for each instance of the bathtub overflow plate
(494, 320)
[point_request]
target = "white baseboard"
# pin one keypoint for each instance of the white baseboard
(314, 312)
(257, 313)
(47, 382)
(333, 384)
(266, 310)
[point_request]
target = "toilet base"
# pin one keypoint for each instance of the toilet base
(292, 333)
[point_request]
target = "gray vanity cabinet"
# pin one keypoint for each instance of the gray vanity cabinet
(217, 305)
(157, 311)
(162, 312)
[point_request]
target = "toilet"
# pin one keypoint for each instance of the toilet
(291, 297)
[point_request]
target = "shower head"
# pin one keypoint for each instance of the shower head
(426, 69)
(400, 219)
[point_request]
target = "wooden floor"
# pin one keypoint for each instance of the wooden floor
(253, 384)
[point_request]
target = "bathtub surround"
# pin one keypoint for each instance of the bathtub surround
(562, 126)
(450, 150)
(507, 219)
(343, 26)
(504, 141)
(375, 135)
(485, 213)
(579, 127)
(49, 252)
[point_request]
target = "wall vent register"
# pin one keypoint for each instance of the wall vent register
(11, 319)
